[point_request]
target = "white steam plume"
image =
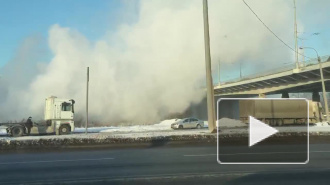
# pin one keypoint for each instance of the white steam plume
(155, 66)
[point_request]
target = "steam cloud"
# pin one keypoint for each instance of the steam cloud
(144, 70)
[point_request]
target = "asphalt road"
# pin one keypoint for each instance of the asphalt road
(156, 165)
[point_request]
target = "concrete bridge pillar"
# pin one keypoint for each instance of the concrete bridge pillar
(285, 95)
(316, 96)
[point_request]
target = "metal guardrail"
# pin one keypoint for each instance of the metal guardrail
(277, 70)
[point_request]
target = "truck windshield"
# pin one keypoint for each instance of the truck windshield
(66, 106)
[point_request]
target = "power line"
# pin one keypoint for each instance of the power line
(273, 32)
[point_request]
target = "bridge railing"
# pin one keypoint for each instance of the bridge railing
(283, 68)
(314, 60)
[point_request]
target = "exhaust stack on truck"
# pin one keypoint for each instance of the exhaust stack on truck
(58, 119)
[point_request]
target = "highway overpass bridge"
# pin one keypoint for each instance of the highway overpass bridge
(280, 81)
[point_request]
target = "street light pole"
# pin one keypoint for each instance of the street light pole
(325, 99)
(240, 70)
(295, 35)
(219, 72)
(209, 83)
(322, 80)
(87, 88)
(302, 45)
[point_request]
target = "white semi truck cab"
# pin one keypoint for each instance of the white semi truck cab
(59, 114)
(58, 119)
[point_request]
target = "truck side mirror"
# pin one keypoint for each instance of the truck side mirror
(72, 105)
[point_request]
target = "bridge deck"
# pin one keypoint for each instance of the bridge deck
(306, 79)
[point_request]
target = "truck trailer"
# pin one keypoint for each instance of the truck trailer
(58, 119)
(280, 112)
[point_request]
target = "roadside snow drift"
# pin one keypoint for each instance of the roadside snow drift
(162, 126)
(227, 122)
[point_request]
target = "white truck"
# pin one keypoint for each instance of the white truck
(59, 114)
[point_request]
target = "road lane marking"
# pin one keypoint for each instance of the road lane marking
(55, 161)
(266, 153)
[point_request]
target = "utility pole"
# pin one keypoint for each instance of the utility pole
(209, 84)
(295, 35)
(87, 100)
(302, 44)
(219, 72)
(325, 99)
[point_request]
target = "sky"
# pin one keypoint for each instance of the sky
(22, 19)
(146, 57)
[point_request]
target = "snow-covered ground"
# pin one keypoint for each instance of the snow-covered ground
(164, 125)
(322, 124)
(3, 130)
(227, 122)
(226, 125)
(164, 129)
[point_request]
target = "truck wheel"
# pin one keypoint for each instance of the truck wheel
(64, 130)
(17, 131)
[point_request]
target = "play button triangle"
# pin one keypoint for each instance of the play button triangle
(259, 131)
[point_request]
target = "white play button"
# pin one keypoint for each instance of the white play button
(259, 131)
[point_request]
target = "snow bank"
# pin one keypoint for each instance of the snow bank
(206, 124)
(322, 124)
(164, 125)
(92, 129)
(227, 122)
(3, 131)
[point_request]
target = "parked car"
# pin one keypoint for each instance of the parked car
(187, 123)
